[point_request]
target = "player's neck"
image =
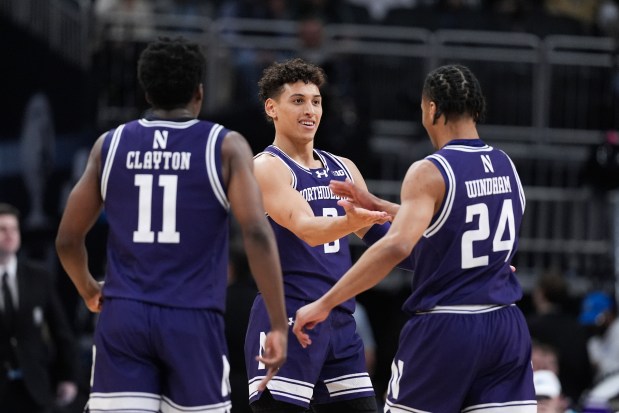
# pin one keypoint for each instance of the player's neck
(457, 130)
(179, 113)
(301, 152)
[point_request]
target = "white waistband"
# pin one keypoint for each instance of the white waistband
(464, 309)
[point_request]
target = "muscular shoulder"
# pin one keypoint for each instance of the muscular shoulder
(425, 176)
(267, 162)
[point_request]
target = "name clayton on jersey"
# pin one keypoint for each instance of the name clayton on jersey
(165, 160)
(488, 186)
(159, 159)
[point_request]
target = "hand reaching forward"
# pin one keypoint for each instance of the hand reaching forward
(306, 318)
(357, 196)
(362, 217)
(274, 355)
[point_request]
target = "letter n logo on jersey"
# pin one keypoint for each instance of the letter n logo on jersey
(485, 159)
(161, 139)
(396, 375)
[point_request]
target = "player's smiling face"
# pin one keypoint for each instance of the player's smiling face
(298, 110)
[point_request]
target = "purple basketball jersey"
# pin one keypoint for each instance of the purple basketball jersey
(168, 213)
(463, 257)
(308, 271)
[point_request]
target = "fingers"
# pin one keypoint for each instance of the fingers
(303, 338)
(273, 364)
(346, 204)
(298, 330)
(342, 188)
(379, 217)
(271, 372)
(263, 383)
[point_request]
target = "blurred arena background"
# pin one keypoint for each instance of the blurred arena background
(549, 70)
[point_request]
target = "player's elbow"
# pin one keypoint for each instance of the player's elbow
(309, 240)
(64, 243)
(310, 237)
(396, 250)
(257, 233)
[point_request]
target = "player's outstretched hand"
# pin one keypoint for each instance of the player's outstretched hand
(362, 217)
(357, 196)
(306, 318)
(274, 355)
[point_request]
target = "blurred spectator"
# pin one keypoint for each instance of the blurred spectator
(544, 357)
(607, 18)
(38, 362)
(130, 17)
(249, 62)
(461, 14)
(122, 29)
(601, 170)
(552, 325)
(608, 25)
(582, 11)
(329, 11)
(603, 397)
(600, 316)
(187, 7)
(548, 392)
(378, 10)
(341, 130)
(37, 150)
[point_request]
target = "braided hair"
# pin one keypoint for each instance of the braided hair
(456, 91)
(170, 71)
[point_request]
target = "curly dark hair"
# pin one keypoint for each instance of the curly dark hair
(274, 77)
(456, 91)
(170, 71)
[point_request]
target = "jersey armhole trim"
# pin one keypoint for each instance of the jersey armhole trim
(211, 166)
(109, 160)
(450, 194)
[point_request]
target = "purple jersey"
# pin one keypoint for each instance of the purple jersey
(308, 271)
(463, 257)
(168, 213)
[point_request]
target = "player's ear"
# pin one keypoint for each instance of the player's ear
(270, 108)
(200, 92)
(434, 112)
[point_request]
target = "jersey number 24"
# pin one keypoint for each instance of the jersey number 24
(502, 240)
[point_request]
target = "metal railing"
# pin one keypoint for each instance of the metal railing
(63, 24)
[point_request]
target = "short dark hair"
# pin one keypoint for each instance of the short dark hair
(456, 91)
(170, 71)
(8, 209)
(278, 74)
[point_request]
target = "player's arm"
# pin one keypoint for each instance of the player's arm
(288, 208)
(260, 246)
(422, 193)
(359, 195)
(359, 191)
(81, 212)
(362, 188)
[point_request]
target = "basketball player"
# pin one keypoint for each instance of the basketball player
(311, 228)
(168, 183)
(466, 346)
